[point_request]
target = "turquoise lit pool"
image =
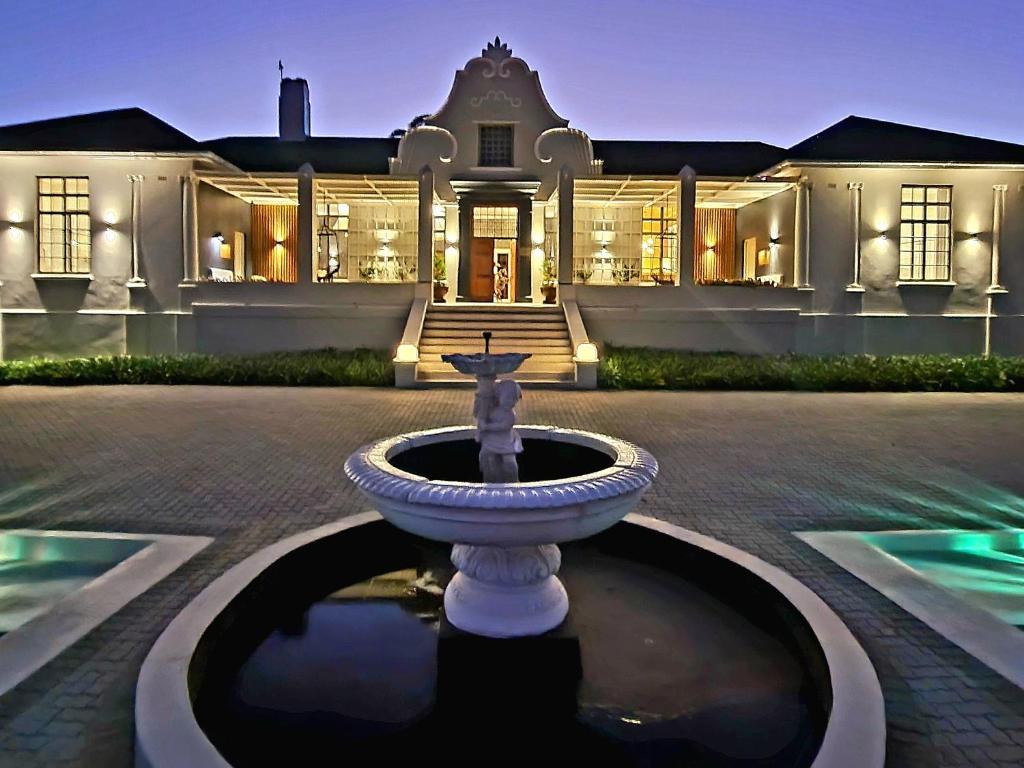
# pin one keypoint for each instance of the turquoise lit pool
(984, 568)
(966, 585)
(37, 570)
(55, 586)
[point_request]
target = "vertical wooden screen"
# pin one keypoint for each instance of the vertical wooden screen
(714, 244)
(275, 242)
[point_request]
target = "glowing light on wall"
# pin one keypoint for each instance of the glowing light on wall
(15, 216)
(537, 253)
(110, 217)
(451, 251)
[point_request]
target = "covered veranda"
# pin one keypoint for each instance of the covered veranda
(638, 231)
(302, 228)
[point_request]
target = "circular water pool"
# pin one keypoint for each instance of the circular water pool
(671, 656)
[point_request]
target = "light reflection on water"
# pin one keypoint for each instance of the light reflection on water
(984, 567)
(36, 570)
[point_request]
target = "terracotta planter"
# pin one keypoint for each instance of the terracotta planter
(549, 293)
(440, 291)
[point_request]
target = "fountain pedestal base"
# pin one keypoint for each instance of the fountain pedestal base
(505, 592)
(538, 677)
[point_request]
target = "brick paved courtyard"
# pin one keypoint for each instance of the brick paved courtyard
(250, 466)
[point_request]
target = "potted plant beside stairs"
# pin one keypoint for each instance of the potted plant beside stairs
(440, 278)
(549, 280)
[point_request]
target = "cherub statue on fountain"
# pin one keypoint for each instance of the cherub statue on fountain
(499, 441)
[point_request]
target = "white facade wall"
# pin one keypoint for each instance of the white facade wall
(61, 317)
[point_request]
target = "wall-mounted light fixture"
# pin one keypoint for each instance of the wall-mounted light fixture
(220, 238)
(883, 235)
(773, 241)
(451, 252)
(15, 216)
(975, 236)
(451, 238)
(537, 253)
(538, 239)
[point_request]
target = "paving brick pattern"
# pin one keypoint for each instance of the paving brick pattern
(251, 466)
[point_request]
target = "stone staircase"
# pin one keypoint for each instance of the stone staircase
(536, 328)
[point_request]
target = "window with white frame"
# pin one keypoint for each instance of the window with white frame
(65, 233)
(496, 146)
(925, 235)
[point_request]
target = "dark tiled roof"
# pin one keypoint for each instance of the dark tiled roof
(861, 139)
(265, 154)
(115, 130)
(707, 158)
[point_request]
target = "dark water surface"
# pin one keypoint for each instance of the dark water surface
(711, 670)
(456, 460)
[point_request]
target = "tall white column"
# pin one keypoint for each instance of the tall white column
(801, 235)
(136, 226)
(307, 212)
(685, 224)
(425, 233)
(998, 209)
(566, 191)
(855, 188)
(189, 229)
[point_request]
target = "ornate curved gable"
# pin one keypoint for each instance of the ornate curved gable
(495, 88)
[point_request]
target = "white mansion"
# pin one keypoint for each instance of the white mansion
(121, 234)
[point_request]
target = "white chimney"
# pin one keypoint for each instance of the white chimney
(293, 109)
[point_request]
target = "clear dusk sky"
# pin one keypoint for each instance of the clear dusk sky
(776, 70)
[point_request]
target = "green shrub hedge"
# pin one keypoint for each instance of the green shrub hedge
(641, 368)
(620, 368)
(322, 368)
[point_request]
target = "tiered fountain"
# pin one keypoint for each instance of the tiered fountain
(505, 532)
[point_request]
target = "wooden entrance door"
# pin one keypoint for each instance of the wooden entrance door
(481, 269)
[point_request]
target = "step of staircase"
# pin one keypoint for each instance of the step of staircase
(554, 367)
(538, 346)
(451, 377)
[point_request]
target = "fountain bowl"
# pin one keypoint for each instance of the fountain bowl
(534, 512)
(486, 363)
